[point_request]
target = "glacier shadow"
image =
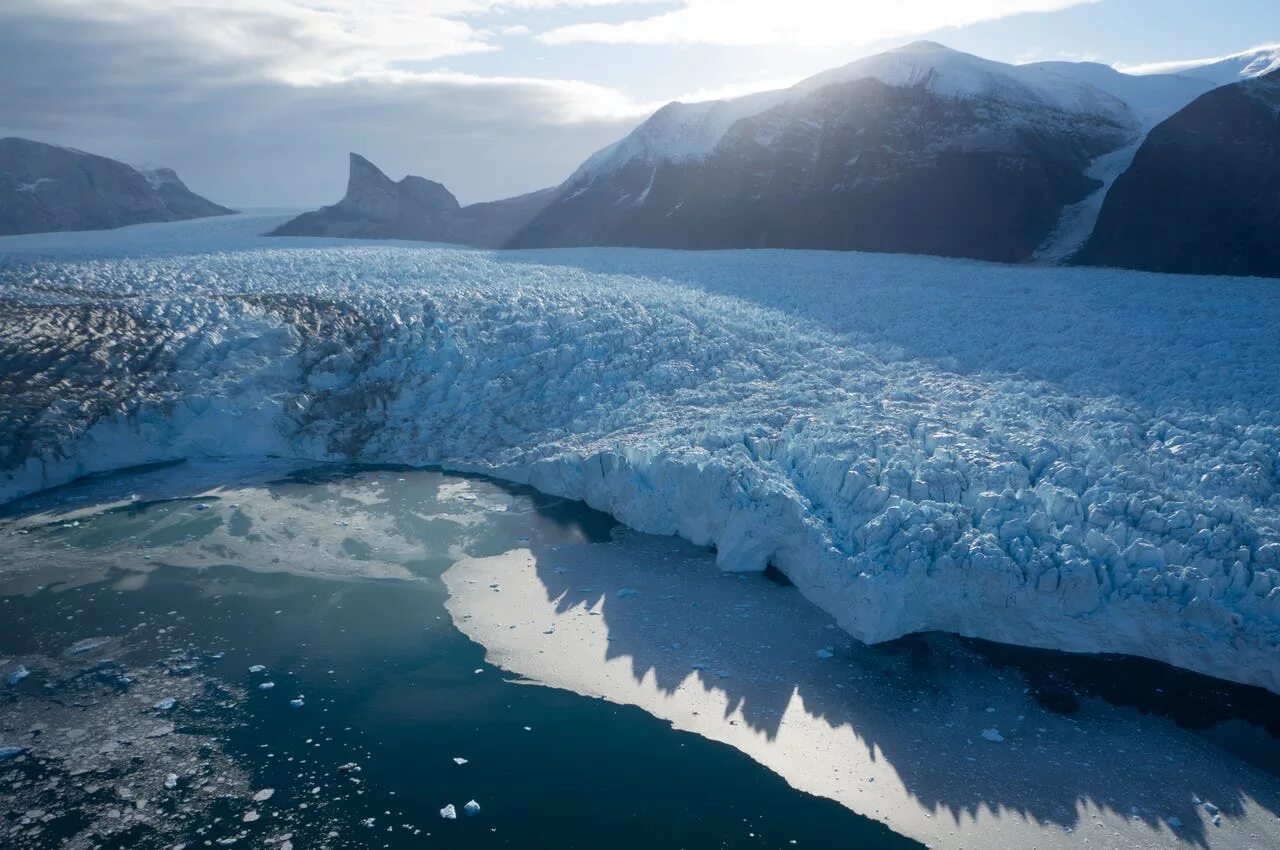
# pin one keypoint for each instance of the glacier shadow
(1094, 730)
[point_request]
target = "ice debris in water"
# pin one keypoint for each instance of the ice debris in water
(449, 812)
(297, 702)
(7, 752)
(17, 675)
(826, 653)
(165, 704)
(627, 591)
(257, 668)
(459, 760)
(993, 735)
(263, 795)
(472, 808)
(266, 686)
(171, 781)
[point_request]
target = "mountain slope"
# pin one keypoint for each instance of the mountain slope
(1203, 193)
(46, 187)
(919, 150)
(180, 200)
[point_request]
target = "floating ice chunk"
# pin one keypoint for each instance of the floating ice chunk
(993, 735)
(297, 702)
(459, 760)
(1211, 808)
(257, 668)
(7, 752)
(250, 816)
(266, 686)
(171, 781)
(165, 704)
(263, 795)
(449, 812)
(88, 645)
(17, 675)
(626, 591)
(549, 630)
(826, 653)
(472, 808)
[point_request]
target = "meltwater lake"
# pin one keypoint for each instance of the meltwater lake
(262, 655)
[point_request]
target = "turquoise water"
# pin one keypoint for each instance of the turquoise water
(289, 573)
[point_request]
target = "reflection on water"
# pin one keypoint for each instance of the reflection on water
(328, 579)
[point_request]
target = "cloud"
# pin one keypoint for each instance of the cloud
(814, 23)
(306, 41)
(257, 133)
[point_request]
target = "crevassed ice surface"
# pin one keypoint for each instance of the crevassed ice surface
(1079, 459)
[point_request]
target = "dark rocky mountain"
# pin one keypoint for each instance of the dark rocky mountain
(1203, 193)
(46, 188)
(376, 207)
(921, 150)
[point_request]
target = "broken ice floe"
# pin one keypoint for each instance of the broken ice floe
(449, 812)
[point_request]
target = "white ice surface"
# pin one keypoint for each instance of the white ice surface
(1080, 459)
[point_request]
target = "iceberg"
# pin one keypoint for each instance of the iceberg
(1079, 459)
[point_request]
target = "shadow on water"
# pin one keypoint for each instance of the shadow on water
(918, 703)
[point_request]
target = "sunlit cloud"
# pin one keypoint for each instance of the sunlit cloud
(815, 23)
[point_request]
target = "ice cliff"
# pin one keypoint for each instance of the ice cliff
(1072, 458)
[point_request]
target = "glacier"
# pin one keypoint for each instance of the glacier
(1078, 459)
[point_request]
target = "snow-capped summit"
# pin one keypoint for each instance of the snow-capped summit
(1221, 70)
(679, 132)
(922, 149)
(952, 73)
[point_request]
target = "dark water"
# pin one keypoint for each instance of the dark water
(393, 693)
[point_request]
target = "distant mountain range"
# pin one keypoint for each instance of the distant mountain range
(46, 188)
(922, 149)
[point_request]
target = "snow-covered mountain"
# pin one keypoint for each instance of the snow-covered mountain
(46, 187)
(919, 150)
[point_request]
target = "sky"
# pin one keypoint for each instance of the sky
(257, 102)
